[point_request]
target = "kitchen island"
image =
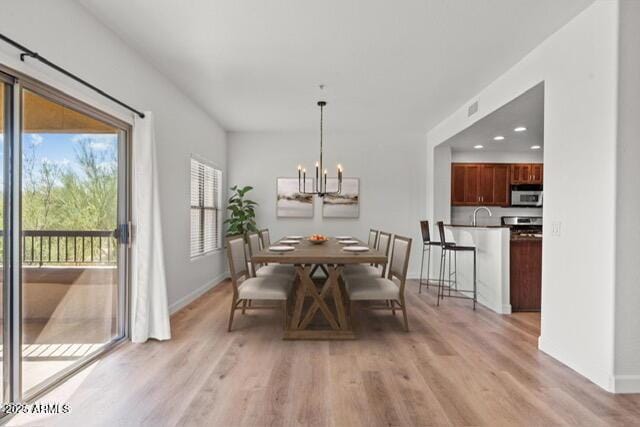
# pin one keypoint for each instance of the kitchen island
(493, 268)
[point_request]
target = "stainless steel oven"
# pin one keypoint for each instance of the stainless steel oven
(526, 195)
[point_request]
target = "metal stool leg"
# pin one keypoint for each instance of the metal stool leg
(455, 273)
(441, 275)
(449, 275)
(421, 269)
(428, 265)
(475, 287)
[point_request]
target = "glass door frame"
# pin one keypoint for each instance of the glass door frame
(12, 298)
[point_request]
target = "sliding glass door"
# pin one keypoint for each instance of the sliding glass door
(5, 108)
(68, 252)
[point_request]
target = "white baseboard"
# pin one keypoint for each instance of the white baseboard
(600, 378)
(195, 294)
(626, 384)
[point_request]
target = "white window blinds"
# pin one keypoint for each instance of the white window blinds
(205, 208)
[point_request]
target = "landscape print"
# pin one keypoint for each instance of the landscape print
(347, 203)
(290, 203)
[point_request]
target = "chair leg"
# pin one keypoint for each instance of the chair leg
(393, 307)
(404, 314)
(233, 309)
(284, 314)
(244, 306)
(352, 313)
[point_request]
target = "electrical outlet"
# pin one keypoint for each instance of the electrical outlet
(556, 228)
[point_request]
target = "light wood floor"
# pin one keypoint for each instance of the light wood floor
(455, 367)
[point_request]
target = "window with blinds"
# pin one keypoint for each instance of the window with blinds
(205, 208)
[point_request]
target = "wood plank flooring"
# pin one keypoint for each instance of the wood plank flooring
(455, 367)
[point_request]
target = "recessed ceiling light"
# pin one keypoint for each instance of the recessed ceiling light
(477, 147)
(535, 147)
(520, 129)
(498, 138)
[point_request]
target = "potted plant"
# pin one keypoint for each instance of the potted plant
(242, 217)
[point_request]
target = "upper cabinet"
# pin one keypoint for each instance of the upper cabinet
(526, 173)
(495, 189)
(489, 184)
(474, 184)
(537, 170)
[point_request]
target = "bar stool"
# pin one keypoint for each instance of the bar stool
(427, 243)
(449, 247)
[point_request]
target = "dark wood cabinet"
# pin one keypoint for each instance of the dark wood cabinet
(465, 184)
(520, 173)
(526, 173)
(495, 187)
(536, 173)
(472, 184)
(526, 274)
(457, 184)
(489, 184)
(475, 184)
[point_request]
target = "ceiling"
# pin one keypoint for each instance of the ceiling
(527, 110)
(388, 65)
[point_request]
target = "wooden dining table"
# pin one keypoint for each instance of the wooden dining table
(319, 310)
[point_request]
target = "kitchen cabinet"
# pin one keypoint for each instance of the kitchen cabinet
(525, 282)
(526, 173)
(458, 172)
(475, 184)
(494, 184)
(536, 173)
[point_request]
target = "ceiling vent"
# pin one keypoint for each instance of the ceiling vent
(473, 108)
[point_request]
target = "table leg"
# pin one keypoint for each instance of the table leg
(313, 293)
(340, 327)
(300, 291)
(334, 277)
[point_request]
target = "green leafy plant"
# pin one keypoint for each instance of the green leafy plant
(242, 215)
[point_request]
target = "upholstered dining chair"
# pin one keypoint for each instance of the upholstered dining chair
(265, 237)
(383, 245)
(247, 288)
(373, 238)
(258, 270)
(371, 288)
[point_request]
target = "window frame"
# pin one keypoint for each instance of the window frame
(217, 208)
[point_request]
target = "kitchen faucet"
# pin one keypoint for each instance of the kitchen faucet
(475, 214)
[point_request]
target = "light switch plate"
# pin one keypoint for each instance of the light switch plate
(556, 228)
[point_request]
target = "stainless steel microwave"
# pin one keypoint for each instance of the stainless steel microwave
(526, 195)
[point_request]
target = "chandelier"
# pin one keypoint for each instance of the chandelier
(320, 186)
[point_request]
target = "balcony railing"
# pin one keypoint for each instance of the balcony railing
(68, 247)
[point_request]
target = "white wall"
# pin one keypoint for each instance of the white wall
(390, 168)
(65, 33)
(627, 298)
(579, 67)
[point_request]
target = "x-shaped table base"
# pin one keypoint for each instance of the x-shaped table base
(340, 326)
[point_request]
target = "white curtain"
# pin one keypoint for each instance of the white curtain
(149, 307)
